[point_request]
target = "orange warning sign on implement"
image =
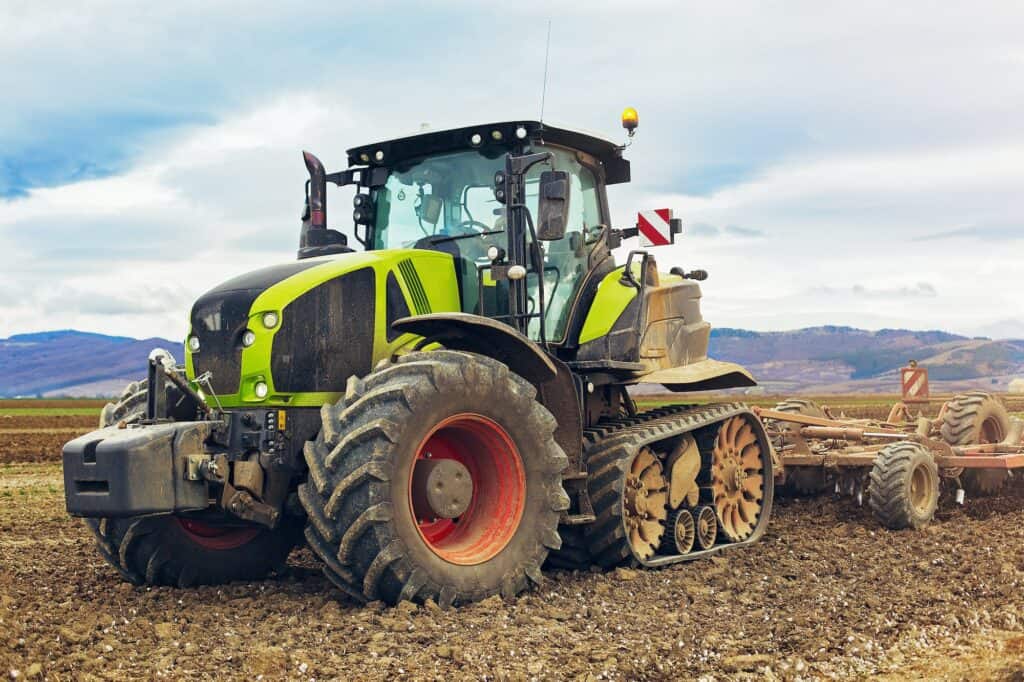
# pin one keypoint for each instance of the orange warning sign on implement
(915, 384)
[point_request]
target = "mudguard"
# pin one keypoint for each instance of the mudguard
(705, 375)
(482, 335)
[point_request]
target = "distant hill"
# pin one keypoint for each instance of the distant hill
(843, 359)
(74, 363)
(817, 359)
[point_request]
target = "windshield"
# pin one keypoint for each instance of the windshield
(440, 196)
(447, 202)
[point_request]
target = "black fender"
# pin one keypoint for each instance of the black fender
(484, 336)
(555, 383)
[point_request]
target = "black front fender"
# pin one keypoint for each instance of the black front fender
(484, 336)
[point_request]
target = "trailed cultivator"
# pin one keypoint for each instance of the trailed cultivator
(901, 464)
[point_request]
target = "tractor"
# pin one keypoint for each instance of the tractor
(444, 411)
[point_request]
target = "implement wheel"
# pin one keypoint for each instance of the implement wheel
(903, 487)
(185, 551)
(977, 418)
(436, 477)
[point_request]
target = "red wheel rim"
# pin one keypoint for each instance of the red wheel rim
(216, 537)
(499, 489)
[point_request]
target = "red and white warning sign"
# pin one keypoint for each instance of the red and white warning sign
(655, 227)
(915, 384)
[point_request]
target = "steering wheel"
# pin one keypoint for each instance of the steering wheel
(466, 226)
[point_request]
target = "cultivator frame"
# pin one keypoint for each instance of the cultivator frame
(847, 451)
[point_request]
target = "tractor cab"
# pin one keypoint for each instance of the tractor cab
(451, 191)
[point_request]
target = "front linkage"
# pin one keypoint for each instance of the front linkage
(180, 456)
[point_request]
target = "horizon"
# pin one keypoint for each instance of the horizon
(838, 327)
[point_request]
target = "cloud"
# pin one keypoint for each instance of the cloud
(701, 230)
(868, 144)
(996, 233)
(917, 290)
(738, 231)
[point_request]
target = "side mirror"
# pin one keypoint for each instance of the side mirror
(553, 206)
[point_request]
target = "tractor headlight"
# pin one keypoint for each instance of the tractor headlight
(476, 139)
(261, 390)
(270, 320)
(521, 133)
(248, 338)
(193, 343)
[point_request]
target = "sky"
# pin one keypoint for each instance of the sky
(844, 163)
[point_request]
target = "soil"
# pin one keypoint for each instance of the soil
(827, 593)
(39, 438)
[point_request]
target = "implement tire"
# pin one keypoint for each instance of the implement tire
(977, 418)
(366, 520)
(170, 550)
(903, 487)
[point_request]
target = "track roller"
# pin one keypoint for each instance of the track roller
(706, 525)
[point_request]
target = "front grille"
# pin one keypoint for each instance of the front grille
(326, 335)
(219, 318)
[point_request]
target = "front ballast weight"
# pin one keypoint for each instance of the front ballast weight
(900, 465)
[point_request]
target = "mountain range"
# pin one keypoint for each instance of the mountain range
(825, 359)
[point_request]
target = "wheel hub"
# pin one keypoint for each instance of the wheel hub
(467, 489)
(441, 488)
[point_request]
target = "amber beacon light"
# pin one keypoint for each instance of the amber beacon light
(630, 120)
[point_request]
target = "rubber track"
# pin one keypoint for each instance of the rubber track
(609, 447)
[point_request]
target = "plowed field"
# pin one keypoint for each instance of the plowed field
(827, 593)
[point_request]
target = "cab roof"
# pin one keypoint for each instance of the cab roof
(496, 138)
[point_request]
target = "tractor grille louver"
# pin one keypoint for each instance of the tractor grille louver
(415, 286)
(326, 335)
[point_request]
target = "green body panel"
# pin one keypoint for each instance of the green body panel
(610, 301)
(436, 271)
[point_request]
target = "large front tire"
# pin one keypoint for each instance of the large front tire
(171, 550)
(182, 552)
(376, 540)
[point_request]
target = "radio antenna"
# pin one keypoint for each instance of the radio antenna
(544, 88)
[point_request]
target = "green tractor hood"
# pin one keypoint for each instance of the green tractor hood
(292, 334)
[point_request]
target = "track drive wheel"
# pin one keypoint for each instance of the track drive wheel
(436, 477)
(903, 487)
(644, 503)
(977, 418)
(737, 477)
(803, 481)
(184, 551)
